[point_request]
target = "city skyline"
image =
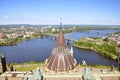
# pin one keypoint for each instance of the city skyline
(94, 12)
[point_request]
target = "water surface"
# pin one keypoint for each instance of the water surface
(40, 49)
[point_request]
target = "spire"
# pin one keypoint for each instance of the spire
(60, 23)
(60, 40)
(61, 59)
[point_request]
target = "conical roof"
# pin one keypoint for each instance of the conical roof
(61, 59)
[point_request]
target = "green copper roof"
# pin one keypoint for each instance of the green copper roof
(87, 76)
(37, 76)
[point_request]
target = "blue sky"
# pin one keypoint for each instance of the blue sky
(102, 12)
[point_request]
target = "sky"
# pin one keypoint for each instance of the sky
(94, 12)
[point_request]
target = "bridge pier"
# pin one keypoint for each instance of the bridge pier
(55, 38)
(46, 36)
(50, 37)
(68, 41)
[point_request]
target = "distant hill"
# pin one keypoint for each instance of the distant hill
(64, 25)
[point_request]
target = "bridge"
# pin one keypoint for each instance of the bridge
(68, 39)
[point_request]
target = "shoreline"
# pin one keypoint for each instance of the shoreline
(7, 43)
(94, 50)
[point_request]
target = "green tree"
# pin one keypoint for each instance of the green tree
(106, 39)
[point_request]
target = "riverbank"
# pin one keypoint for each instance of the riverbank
(14, 41)
(104, 47)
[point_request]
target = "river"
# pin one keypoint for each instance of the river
(39, 49)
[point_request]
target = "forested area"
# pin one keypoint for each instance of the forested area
(107, 50)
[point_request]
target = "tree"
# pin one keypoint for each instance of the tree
(106, 39)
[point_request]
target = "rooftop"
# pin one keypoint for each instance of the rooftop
(75, 74)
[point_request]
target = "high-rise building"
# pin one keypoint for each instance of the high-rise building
(61, 58)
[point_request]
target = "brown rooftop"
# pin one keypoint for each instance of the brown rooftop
(61, 58)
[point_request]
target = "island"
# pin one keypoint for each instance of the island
(108, 47)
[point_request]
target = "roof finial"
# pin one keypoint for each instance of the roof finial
(60, 23)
